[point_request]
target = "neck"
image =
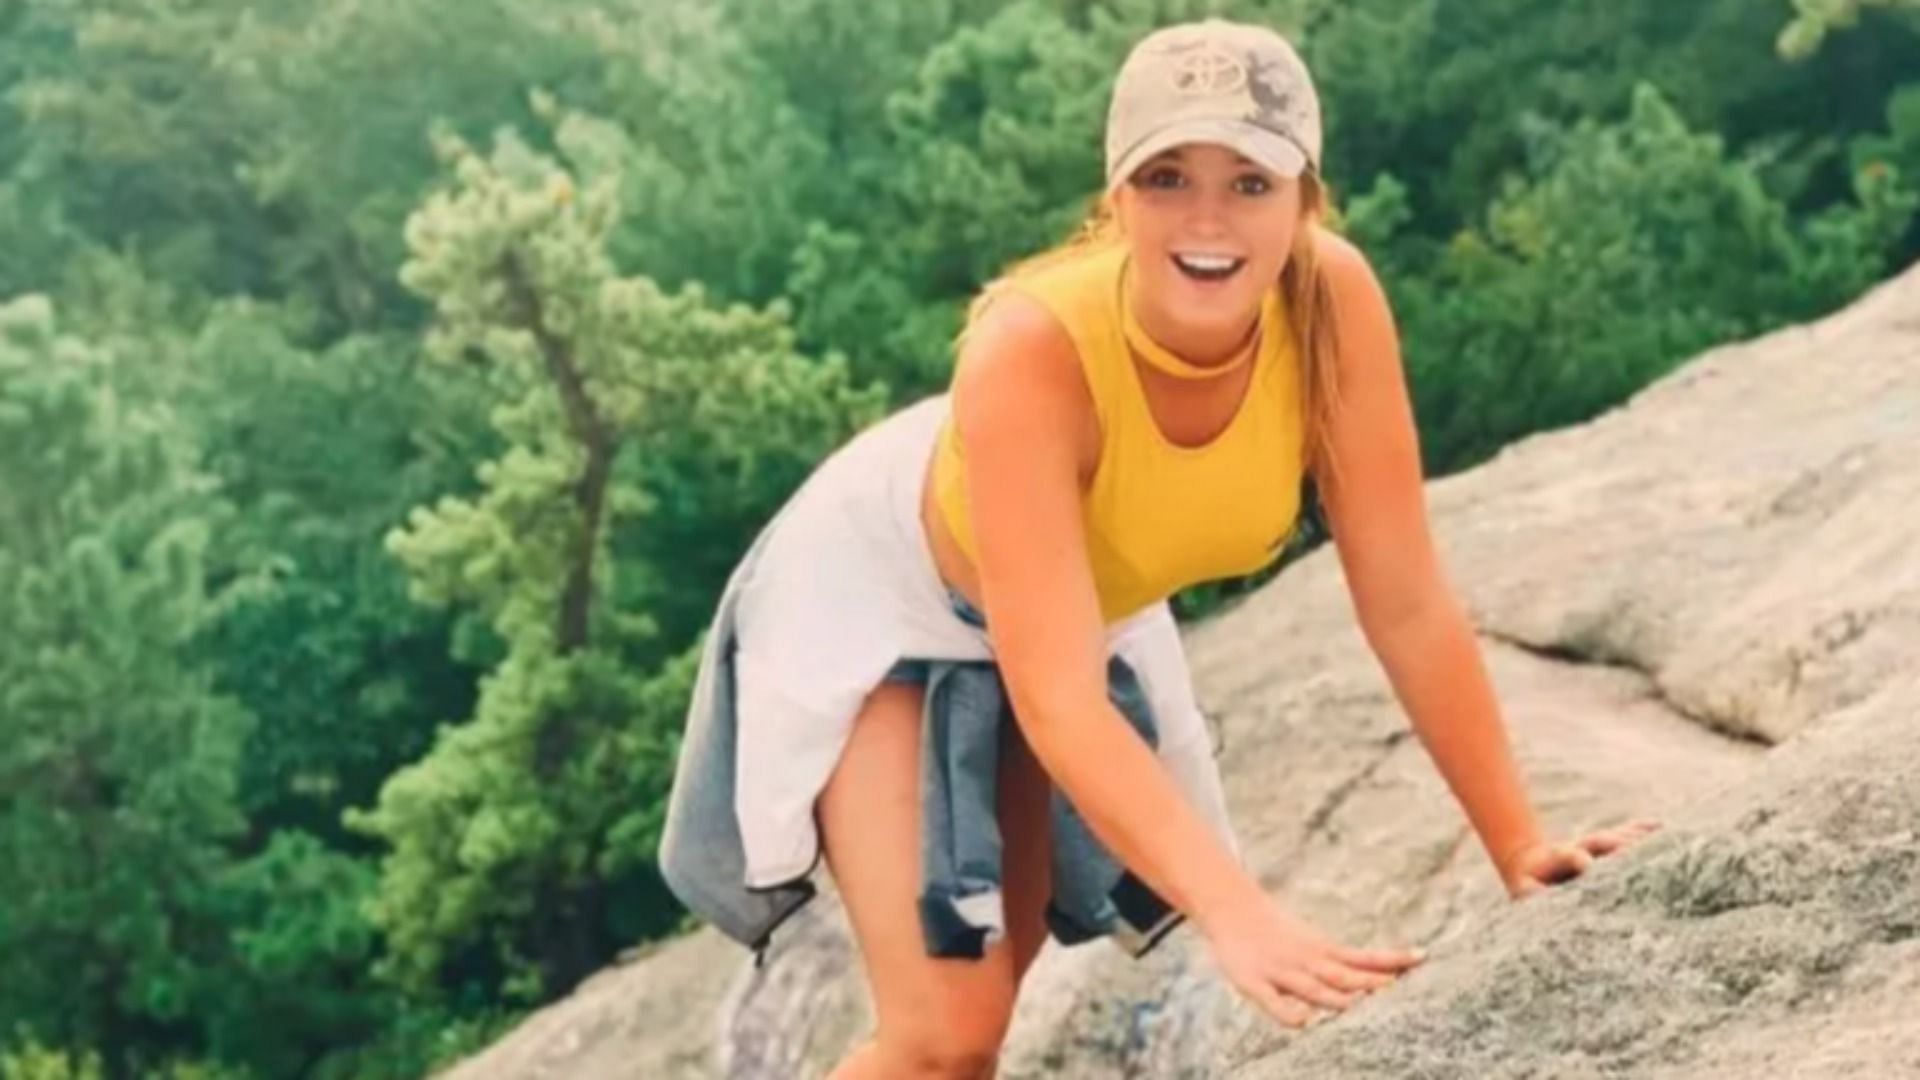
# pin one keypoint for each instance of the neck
(1193, 356)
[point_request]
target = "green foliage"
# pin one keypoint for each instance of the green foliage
(117, 756)
(1815, 19)
(290, 135)
(750, 122)
(993, 152)
(293, 985)
(421, 1040)
(346, 674)
(1898, 148)
(1611, 267)
(132, 924)
(518, 829)
(32, 1061)
(995, 143)
(1443, 97)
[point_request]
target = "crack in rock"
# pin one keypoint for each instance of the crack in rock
(1561, 652)
(1342, 792)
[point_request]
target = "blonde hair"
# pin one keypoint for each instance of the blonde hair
(1303, 286)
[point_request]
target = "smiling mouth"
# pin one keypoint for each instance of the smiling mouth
(1207, 273)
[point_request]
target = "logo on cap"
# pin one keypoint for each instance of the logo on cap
(1206, 68)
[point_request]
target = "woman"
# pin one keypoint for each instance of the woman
(1129, 414)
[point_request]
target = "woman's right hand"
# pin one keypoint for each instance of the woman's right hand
(1286, 967)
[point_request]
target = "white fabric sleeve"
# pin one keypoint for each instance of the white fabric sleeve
(1150, 643)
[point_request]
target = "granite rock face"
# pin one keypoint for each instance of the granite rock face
(1703, 606)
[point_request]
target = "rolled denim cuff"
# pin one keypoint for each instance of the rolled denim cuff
(961, 926)
(962, 910)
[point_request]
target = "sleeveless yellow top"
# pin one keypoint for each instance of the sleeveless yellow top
(1159, 516)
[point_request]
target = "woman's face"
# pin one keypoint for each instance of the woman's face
(1204, 199)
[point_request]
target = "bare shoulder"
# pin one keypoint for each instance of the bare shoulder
(1016, 338)
(1021, 410)
(1018, 370)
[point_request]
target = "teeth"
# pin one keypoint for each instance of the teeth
(1207, 263)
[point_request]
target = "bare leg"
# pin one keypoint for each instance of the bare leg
(936, 1017)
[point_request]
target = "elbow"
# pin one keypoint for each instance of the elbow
(1409, 625)
(1051, 721)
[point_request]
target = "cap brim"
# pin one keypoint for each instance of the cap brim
(1261, 146)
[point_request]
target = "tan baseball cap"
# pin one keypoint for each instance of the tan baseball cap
(1214, 81)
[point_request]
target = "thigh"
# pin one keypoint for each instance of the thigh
(869, 816)
(1025, 828)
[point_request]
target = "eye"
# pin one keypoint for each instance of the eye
(1160, 177)
(1167, 178)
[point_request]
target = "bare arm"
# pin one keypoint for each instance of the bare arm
(1411, 619)
(1022, 412)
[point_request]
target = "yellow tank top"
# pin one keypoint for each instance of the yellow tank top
(1159, 516)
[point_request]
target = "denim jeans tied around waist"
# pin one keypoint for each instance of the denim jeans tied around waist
(966, 714)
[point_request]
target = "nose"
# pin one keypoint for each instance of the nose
(1208, 216)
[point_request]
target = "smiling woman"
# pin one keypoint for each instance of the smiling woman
(965, 608)
(1210, 231)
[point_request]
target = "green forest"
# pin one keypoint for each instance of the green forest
(387, 389)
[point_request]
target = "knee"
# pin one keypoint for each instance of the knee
(937, 1061)
(950, 1053)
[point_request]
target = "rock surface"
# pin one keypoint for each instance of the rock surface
(1703, 606)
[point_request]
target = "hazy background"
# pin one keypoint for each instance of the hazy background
(386, 389)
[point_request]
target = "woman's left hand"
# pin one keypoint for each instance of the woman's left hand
(1533, 868)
